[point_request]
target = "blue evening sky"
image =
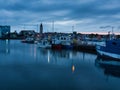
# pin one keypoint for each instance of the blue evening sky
(68, 15)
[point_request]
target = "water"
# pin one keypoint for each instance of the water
(26, 67)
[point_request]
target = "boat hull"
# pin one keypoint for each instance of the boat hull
(57, 46)
(102, 51)
(30, 42)
(44, 46)
(67, 46)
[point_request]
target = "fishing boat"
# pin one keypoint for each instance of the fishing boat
(66, 42)
(56, 43)
(111, 49)
(62, 42)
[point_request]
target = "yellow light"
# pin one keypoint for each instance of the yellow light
(73, 68)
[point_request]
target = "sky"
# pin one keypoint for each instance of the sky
(85, 16)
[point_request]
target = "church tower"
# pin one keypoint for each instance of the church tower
(41, 28)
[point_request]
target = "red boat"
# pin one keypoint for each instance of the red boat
(57, 46)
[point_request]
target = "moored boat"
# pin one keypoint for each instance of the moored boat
(28, 40)
(110, 50)
(44, 44)
(62, 42)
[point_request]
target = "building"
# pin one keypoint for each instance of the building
(4, 31)
(41, 28)
(26, 33)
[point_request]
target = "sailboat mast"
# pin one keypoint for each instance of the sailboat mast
(53, 26)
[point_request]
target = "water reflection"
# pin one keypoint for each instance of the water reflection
(62, 54)
(64, 58)
(109, 67)
(30, 67)
(55, 56)
(73, 68)
(4, 46)
(48, 56)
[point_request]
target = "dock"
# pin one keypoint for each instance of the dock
(86, 48)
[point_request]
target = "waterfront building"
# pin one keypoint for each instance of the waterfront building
(26, 33)
(4, 31)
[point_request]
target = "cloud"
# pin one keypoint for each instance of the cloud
(86, 15)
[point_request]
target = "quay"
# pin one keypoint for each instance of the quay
(86, 48)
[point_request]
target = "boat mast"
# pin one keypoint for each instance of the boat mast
(72, 29)
(112, 30)
(53, 25)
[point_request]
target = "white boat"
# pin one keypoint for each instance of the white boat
(62, 42)
(28, 40)
(44, 44)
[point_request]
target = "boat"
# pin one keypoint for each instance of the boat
(62, 42)
(110, 67)
(111, 49)
(66, 42)
(44, 44)
(28, 40)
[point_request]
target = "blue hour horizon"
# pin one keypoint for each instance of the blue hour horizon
(84, 15)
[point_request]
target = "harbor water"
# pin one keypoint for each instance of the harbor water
(26, 67)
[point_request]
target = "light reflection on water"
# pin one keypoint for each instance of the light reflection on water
(4, 46)
(24, 66)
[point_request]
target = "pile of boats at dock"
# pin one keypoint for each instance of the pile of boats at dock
(61, 42)
(107, 48)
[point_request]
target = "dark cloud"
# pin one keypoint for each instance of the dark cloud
(82, 13)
